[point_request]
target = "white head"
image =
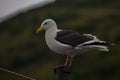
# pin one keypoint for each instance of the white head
(47, 24)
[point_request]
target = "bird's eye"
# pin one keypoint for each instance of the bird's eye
(45, 23)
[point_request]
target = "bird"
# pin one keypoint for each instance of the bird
(69, 42)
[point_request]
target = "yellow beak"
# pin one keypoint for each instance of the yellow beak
(39, 30)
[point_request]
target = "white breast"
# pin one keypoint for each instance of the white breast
(55, 45)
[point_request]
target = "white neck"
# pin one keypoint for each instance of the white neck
(51, 30)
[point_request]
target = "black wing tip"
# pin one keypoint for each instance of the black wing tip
(113, 44)
(104, 43)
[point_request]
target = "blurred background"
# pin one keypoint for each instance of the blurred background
(23, 51)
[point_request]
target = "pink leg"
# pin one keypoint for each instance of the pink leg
(69, 60)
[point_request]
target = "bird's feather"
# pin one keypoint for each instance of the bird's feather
(72, 38)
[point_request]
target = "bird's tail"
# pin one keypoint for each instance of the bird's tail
(101, 45)
(107, 43)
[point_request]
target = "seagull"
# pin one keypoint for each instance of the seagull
(70, 42)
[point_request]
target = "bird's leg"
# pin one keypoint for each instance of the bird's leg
(67, 61)
(71, 59)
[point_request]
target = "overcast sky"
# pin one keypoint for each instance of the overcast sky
(10, 7)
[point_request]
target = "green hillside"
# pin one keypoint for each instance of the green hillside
(23, 51)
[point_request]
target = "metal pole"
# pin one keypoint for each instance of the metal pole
(63, 72)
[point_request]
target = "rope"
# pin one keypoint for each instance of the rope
(16, 74)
